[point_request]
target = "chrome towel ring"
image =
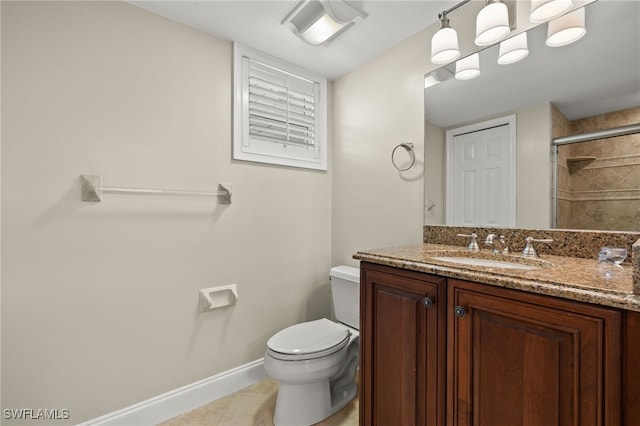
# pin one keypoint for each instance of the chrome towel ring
(408, 146)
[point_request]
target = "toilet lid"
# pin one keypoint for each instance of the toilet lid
(309, 338)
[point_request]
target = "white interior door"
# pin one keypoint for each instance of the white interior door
(481, 174)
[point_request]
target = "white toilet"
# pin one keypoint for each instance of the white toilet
(315, 362)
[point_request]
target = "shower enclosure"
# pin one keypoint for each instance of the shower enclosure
(597, 171)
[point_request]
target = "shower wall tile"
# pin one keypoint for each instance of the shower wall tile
(587, 124)
(563, 213)
(562, 127)
(602, 193)
(560, 123)
(564, 179)
(588, 180)
(613, 215)
(564, 152)
(590, 215)
(621, 118)
(590, 148)
(624, 145)
(617, 178)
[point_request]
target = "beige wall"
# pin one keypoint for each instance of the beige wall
(434, 182)
(533, 168)
(99, 301)
(375, 108)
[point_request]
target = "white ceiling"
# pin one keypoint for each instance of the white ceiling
(608, 75)
(257, 24)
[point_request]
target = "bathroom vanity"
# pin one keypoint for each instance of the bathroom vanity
(444, 342)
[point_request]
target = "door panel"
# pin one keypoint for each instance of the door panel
(481, 175)
(520, 359)
(403, 343)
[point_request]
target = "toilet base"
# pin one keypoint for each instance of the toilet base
(293, 407)
(303, 404)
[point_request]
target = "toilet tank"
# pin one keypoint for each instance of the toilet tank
(345, 292)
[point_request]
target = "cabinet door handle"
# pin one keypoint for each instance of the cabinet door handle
(459, 311)
(427, 302)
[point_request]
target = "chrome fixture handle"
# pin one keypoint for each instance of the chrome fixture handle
(473, 245)
(499, 243)
(529, 250)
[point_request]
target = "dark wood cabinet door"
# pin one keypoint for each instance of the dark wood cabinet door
(631, 368)
(403, 343)
(516, 358)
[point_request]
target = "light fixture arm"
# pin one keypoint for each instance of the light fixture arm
(452, 8)
(444, 21)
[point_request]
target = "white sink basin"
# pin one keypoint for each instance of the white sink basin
(489, 263)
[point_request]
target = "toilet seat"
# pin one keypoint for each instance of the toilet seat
(308, 340)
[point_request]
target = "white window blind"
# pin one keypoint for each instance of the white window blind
(281, 114)
(281, 106)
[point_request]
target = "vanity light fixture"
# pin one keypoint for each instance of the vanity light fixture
(513, 50)
(492, 23)
(468, 67)
(546, 10)
(566, 29)
(444, 43)
(320, 21)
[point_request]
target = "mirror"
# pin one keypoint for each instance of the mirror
(597, 74)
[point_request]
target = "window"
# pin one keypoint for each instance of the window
(279, 112)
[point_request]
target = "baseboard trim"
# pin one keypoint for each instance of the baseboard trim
(178, 401)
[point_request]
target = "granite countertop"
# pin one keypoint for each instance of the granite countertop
(572, 278)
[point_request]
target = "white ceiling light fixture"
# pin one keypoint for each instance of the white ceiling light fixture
(546, 10)
(319, 21)
(468, 67)
(566, 29)
(513, 50)
(492, 23)
(444, 43)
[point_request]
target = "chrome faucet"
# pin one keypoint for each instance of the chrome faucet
(529, 251)
(473, 245)
(499, 243)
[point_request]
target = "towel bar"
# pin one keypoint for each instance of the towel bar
(92, 190)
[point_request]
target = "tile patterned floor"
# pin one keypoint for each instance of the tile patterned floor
(253, 406)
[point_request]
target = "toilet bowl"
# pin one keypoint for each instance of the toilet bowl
(316, 362)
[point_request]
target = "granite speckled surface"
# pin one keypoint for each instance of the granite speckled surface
(571, 243)
(566, 242)
(580, 279)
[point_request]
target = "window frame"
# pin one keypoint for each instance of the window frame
(248, 148)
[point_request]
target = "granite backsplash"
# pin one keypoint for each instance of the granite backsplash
(571, 243)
